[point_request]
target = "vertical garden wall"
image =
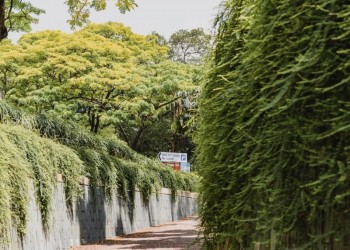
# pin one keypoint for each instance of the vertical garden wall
(274, 130)
(34, 149)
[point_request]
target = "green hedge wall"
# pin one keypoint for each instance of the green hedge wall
(274, 141)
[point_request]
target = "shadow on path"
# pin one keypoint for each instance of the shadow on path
(177, 235)
(179, 239)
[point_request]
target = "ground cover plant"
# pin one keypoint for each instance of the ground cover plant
(274, 130)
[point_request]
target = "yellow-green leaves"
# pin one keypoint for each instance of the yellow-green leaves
(126, 5)
(80, 9)
(99, 75)
(16, 15)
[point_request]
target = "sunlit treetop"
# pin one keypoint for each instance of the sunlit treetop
(103, 70)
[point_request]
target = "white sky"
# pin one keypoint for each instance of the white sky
(163, 16)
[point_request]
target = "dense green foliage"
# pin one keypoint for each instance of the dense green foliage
(105, 78)
(25, 156)
(274, 132)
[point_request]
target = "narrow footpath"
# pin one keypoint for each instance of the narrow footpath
(175, 235)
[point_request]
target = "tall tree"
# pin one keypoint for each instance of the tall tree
(17, 15)
(189, 46)
(44, 72)
(159, 96)
(106, 76)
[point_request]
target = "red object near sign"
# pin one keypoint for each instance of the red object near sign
(174, 165)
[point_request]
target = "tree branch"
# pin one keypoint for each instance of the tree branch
(109, 93)
(9, 15)
(138, 136)
(166, 103)
(124, 134)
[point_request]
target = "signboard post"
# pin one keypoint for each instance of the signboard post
(172, 157)
(176, 160)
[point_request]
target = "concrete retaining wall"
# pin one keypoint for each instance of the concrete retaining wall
(94, 219)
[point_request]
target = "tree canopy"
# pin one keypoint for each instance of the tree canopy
(17, 15)
(189, 46)
(106, 77)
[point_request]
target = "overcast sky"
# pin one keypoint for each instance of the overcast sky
(163, 16)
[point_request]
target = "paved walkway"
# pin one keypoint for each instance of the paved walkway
(176, 235)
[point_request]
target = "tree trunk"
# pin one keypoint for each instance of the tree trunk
(3, 29)
(97, 123)
(173, 143)
(92, 121)
(137, 138)
(122, 132)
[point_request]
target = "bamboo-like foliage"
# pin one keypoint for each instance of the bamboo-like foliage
(274, 131)
(33, 147)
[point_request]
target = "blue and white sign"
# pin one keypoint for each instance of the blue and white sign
(185, 167)
(172, 157)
